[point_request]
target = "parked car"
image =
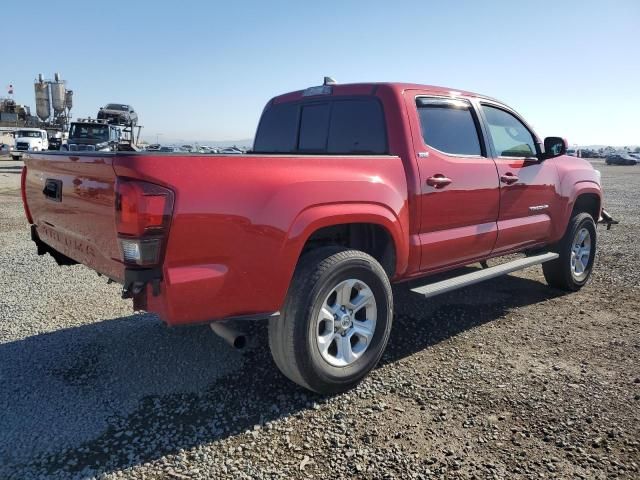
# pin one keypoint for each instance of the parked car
(172, 149)
(55, 142)
(232, 151)
(5, 149)
(348, 189)
(573, 152)
(620, 159)
(119, 114)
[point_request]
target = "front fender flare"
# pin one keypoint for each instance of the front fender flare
(577, 189)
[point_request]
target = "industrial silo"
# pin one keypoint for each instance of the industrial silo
(68, 99)
(43, 102)
(57, 95)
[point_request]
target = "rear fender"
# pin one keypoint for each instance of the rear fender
(314, 218)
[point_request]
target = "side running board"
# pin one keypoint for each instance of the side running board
(454, 283)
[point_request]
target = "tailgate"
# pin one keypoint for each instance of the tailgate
(71, 199)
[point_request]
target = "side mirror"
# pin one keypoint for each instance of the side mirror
(554, 147)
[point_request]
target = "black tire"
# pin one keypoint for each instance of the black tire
(559, 273)
(293, 335)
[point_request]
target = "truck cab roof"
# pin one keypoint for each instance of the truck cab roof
(371, 89)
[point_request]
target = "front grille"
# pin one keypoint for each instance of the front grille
(74, 147)
(24, 146)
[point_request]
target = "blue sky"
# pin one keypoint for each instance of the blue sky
(203, 70)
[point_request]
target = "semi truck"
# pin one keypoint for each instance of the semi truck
(29, 140)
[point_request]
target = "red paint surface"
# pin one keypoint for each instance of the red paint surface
(239, 223)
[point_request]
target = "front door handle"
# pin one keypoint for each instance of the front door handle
(509, 178)
(438, 181)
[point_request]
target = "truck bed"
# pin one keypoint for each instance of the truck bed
(238, 225)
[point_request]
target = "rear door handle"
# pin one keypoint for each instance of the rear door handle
(509, 178)
(438, 181)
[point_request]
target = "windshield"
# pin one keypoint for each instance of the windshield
(89, 131)
(28, 133)
(116, 106)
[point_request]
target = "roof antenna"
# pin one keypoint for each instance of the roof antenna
(329, 81)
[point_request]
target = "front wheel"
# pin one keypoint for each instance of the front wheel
(577, 250)
(336, 320)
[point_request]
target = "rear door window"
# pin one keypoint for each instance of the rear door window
(357, 126)
(449, 126)
(509, 136)
(314, 126)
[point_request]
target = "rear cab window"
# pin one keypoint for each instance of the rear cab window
(450, 126)
(278, 129)
(314, 127)
(335, 126)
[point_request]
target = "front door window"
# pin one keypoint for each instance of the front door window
(510, 137)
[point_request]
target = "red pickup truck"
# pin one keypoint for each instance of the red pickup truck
(348, 189)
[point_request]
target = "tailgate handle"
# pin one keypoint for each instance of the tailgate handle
(53, 189)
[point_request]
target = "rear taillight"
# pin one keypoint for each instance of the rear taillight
(143, 216)
(23, 192)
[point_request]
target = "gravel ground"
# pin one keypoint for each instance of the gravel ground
(502, 380)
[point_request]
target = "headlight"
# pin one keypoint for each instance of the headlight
(599, 175)
(103, 147)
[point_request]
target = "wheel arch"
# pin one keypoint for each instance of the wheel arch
(584, 196)
(369, 227)
(588, 202)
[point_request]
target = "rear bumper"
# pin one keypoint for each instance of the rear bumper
(44, 248)
(186, 295)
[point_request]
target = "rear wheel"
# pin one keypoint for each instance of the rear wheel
(336, 320)
(577, 250)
